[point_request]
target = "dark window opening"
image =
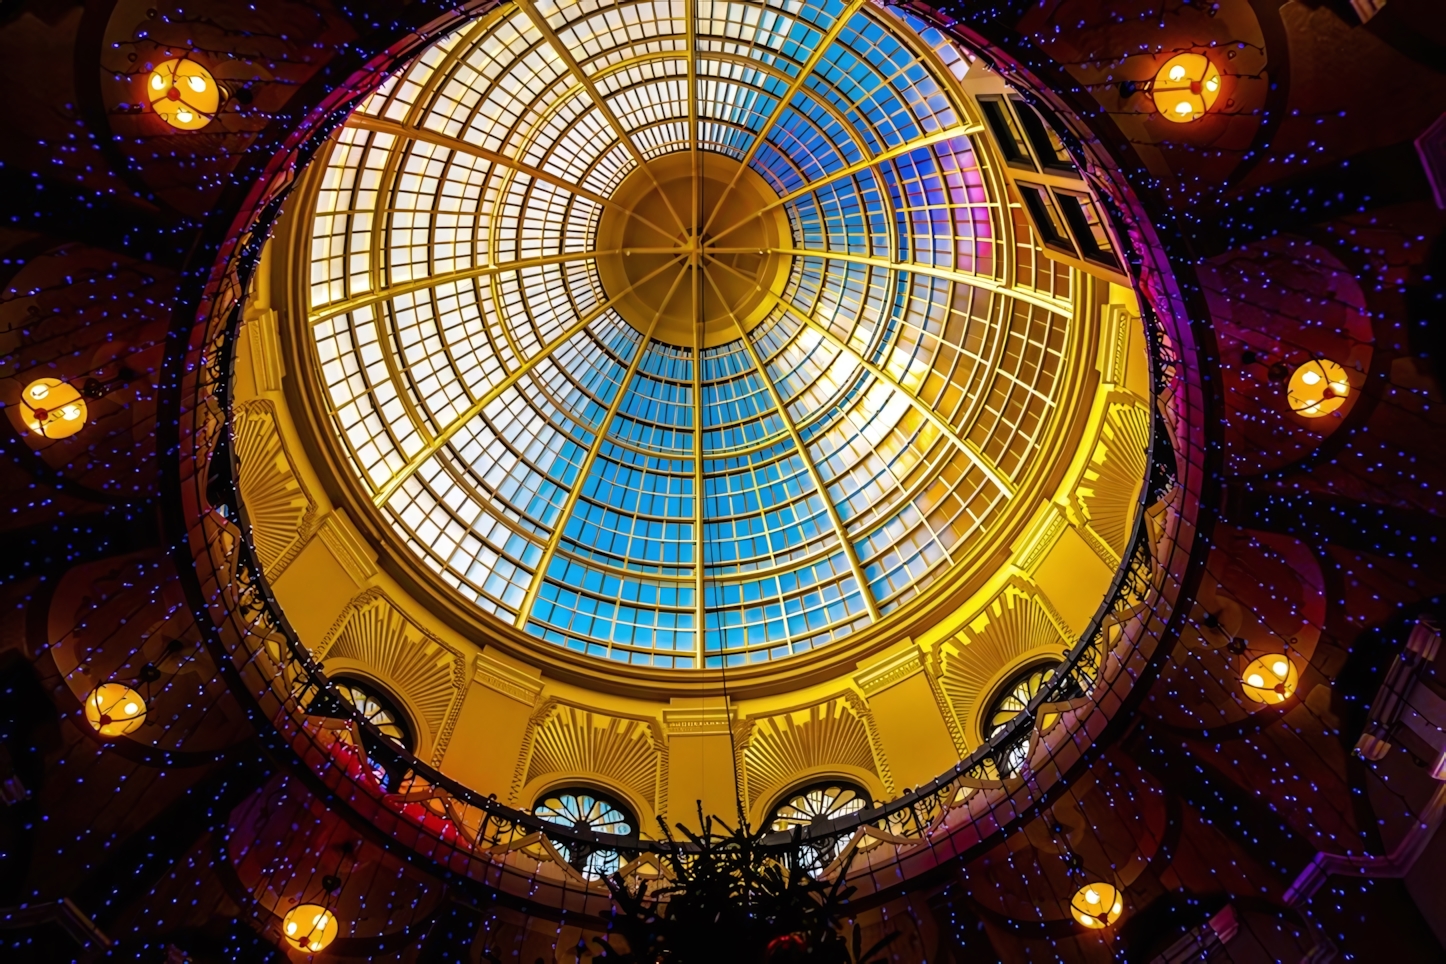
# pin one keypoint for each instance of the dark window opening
(1047, 221)
(1046, 143)
(1083, 217)
(1006, 132)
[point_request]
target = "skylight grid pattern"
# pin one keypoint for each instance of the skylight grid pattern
(851, 301)
(668, 50)
(946, 338)
(944, 215)
(757, 620)
(735, 93)
(461, 213)
(540, 304)
(535, 219)
(627, 481)
(869, 458)
(898, 93)
(788, 29)
(657, 414)
(345, 211)
(813, 141)
(1022, 386)
(954, 58)
(493, 92)
(590, 28)
(809, 372)
(583, 377)
(848, 215)
(659, 504)
(573, 142)
(631, 516)
(453, 530)
(736, 408)
(761, 511)
(644, 101)
(621, 617)
(912, 550)
(434, 383)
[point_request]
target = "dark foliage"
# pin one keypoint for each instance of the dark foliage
(731, 902)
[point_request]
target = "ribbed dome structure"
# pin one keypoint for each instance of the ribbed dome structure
(682, 342)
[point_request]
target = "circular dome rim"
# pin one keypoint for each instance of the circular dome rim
(988, 553)
(198, 366)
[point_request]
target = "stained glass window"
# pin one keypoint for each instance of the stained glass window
(377, 710)
(1011, 700)
(816, 804)
(582, 808)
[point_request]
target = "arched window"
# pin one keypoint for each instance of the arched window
(1011, 700)
(378, 710)
(820, 801)
(816, 803)
(584, 808)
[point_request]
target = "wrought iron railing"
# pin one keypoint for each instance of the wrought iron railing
(482, 824)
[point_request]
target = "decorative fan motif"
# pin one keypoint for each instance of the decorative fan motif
(1016, 624)
(779, 748)
(1109, 492)
(281, 513)
(568, 740)
(415, 665)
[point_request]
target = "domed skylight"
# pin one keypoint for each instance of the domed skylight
(560, 286)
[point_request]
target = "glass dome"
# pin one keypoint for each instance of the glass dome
(682, 334)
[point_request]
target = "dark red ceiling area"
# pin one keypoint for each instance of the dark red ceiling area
(1301, 218)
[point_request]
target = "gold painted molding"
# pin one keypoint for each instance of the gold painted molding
(895, 669)
(267, 367)
(1040, 538)
(281, 512)
(340, 538)
(511, 682)
(699, 720)
(375, 639)
(1116, 321)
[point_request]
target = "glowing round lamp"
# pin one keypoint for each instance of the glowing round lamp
(1318, 388)
(1269, 679)
(183, 94)
(309, 926)
(1097, 905)
(1186, 87)
(52, 408)
(114, 709)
